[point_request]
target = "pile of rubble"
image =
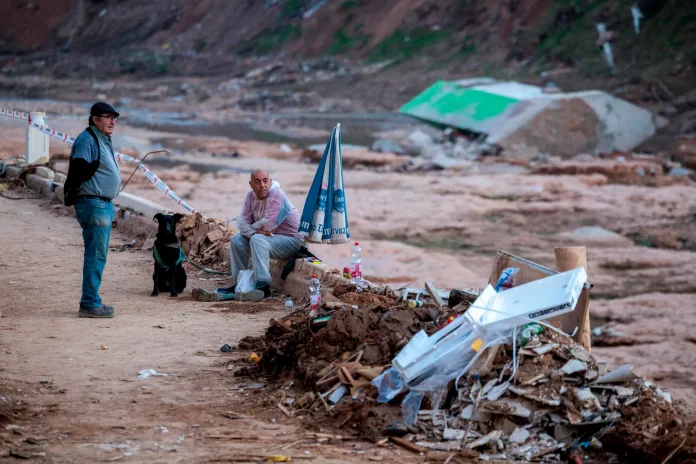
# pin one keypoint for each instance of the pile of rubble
(205, 241)
(558, 397)
(540, 397)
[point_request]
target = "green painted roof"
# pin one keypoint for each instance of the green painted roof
(452, 105)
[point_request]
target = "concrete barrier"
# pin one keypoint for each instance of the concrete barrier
(12, 171)
(41, 185)
(139, 205)
(297, 283)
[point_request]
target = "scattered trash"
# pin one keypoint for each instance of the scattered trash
(488, 374)
(144, 374)
(637, 16)
(603, 41)
(278, 458)
(162, 429)
(104, 347)
(507, 279)
(254, 358)
(226, 348)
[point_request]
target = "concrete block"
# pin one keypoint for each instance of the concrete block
(12, 171)
(45, 172)
(139, 205)
(43, 186)
(133, 224)
(59, 194)
(297, 283)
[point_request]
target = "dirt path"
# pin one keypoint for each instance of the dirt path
(79, 402)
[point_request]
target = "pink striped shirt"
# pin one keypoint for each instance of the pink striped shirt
(275, 213)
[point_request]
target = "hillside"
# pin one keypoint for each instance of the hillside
(419, 40)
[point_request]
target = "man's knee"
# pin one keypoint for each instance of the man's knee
(239, 241)
(258, 240)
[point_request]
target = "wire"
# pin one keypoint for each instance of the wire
(209, 271)
(141, 161)
(2, 194)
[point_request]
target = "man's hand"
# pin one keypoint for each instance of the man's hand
(264, 232)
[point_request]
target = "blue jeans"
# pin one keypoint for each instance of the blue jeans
(261, 248)
(95, 217)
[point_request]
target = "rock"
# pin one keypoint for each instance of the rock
(59, 177)
(596, 234)
(395, 429)
(519, 436)
(464, 149)
(285, 148)
(149, 243)
(444, 162)
(433, 151)
(387, 146)
(44, 172)
(420, 139)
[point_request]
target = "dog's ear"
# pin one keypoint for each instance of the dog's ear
(177, 217)
(158, 217)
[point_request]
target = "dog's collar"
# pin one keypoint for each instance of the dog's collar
(159, 260)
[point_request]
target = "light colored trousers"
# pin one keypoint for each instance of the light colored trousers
(262, 249)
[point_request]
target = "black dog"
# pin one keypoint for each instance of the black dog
(169, 273)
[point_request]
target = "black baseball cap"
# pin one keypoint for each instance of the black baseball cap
(100, 108)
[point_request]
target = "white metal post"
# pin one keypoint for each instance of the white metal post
(36, 141)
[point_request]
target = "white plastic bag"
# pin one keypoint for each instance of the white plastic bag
(245, 282)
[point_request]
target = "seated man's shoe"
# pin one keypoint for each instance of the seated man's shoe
(198, 294)
(262, 290)
(104, 311)
(226, 289)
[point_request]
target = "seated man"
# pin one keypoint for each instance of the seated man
(267, 227)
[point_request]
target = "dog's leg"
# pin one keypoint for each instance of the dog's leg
(155, 279)
(172, 281)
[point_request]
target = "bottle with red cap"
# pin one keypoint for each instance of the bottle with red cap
(314, 295)
(356, 264)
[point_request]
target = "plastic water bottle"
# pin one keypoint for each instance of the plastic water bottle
(288, 305)
(356, 264)
(314, 295)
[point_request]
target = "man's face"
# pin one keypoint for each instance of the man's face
(260, 183)
(105, 123)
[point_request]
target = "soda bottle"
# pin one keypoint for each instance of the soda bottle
(356, 264)
(288, 305)
(314, 295)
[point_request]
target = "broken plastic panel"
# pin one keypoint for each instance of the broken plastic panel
(428, 364)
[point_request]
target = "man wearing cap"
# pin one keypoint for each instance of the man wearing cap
(93, 181)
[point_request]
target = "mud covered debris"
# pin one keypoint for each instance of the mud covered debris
(532, 402)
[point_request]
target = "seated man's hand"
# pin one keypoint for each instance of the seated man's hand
(264, 232)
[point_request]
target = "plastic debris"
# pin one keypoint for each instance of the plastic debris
(146, 373)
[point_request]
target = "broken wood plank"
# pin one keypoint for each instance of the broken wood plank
(407, 445)
(434, 294)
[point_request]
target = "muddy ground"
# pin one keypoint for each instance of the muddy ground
(441, 226)
(72, 385)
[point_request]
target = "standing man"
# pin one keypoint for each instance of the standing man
(93, 181)
(267, 227)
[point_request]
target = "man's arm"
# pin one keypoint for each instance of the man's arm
(84, 162)
(245, 218)
(276, 212)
